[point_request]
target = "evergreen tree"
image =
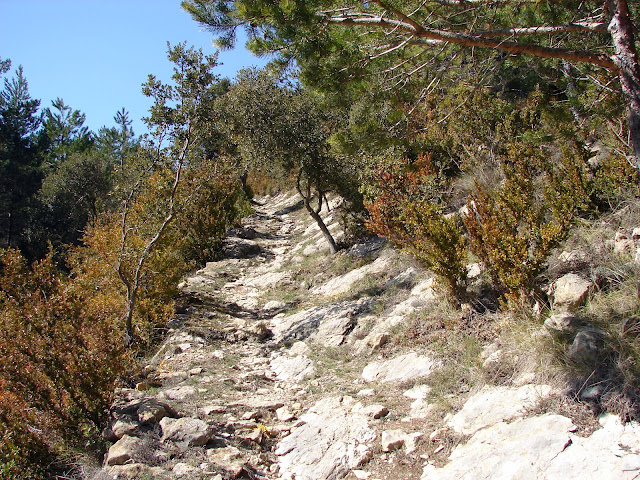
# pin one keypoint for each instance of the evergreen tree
(20, 159)
(65, 131)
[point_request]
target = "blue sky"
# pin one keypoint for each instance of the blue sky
(95, 54)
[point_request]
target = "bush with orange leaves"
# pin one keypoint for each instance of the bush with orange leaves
(409, 211)
(58, 366)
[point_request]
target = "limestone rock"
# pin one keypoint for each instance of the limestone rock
(333, 330)
(249, 434)
(211, 409)
(178, 393)
(274, 305)
(299, 348)
(587, 346)
(173, 377)
(284, 414)
(474, 270)
(136, 471)
(494, 362)
(182, 469)
(542, 447)
(495, 404)
(610, 453)
(229, 459)
(292, 369)
(327, 323)
(152, 411)
(362, 249)
(399, 369)
(330, 442)
(426, 290)
(374, 411)
(125, 426)
(377, 340)
(562, 324)
(417, 391)
(570, 291)
(623, 245)
(125, 449)
(339, 285)
(520, 449)
(260, 330)
(420, 408)
(411, 442)
(239, 248)
(366, 392)
(392, 440)
(189, 432)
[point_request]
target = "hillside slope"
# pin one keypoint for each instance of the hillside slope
(284, 362)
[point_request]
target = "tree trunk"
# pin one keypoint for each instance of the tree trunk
(315, 213)
(626, 58)
(333, 248)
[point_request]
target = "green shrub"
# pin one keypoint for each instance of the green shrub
(408, 212)
(514, 227)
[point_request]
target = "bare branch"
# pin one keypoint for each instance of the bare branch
(468, 40)
(545, 30)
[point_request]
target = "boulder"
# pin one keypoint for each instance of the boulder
(399, 369)
(587, 346)
(229, 459)
(292, 369)
(125, 449)
(570, 291)
(152, 411)
(495, 404)
(188, 432)
(124, 426)
(520, 449)
(562, 324)
(330, 442)
(393, 440)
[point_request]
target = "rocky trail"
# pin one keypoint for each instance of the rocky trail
(282, 363)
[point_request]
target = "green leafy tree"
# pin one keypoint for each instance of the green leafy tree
(139, 251)
(71, 197)
(282, 131)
